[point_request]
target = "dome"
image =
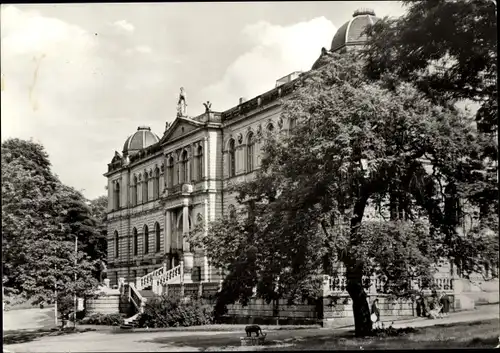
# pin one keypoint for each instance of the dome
(142, 138)
(350, 33)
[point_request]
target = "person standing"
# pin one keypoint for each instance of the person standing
(445, 303)
(375, 314)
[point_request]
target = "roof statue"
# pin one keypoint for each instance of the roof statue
(181, 104)
(167, 125)
(207, 105)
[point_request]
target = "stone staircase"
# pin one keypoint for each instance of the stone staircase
(159, 277)
(149, 286)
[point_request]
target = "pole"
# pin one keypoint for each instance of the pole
(76, 263)
(55, 304)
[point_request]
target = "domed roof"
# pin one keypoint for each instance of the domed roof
(350, 33)
(142, 138)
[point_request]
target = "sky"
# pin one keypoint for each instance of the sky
(80, 78)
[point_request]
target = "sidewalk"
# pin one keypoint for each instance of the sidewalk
(485, 312)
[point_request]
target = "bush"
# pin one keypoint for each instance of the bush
(392, 332)
(103, 319)
(174, 312)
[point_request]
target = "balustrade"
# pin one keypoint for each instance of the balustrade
(338, 284)
(169, 275)
(136, 298)
(160, 275)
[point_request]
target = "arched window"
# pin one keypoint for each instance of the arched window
(184, 168)
(146, 240)
(145, 187)
(199, 163)
(170, 173)
(117, 244)
(231, 158)
(117, 196)
(136, 241)
(156, 184)
(250, 152)
(134, 192)
(158, 237)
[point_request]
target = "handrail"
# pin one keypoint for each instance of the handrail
(136, 298)
(169, 275)
(147, 279)
(161, 275)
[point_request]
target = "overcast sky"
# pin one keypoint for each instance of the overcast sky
(80, 78)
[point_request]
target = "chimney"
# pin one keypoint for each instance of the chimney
(242, 100)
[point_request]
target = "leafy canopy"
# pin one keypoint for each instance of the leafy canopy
(357, 145)
(40, 219)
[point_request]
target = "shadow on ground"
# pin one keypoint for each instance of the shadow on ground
(232, 339)
(23, 336)
(480, 334)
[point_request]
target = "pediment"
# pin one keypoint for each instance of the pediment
(180, 127)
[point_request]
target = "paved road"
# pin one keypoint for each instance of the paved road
(27, 319)
(199, 341)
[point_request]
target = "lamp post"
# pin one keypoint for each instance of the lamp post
(55, 296)
(75, 299)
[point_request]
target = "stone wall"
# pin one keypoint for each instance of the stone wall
(104, 304)
(324, 311)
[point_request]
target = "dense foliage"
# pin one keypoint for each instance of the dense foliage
(173, 312)
(362, 151)
(459, 36)
(448, 50)
(102, 319)
(40, 219)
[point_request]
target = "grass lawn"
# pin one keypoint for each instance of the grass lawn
(478, 334)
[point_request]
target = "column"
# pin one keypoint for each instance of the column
(206, 268)
(205, 158)
(188, 256)
(185, 227)
(125, 190)
(165, 174)
(192, 160)
(168, 233)
(176, 169)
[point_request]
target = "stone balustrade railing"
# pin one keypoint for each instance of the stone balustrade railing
(169, 275)
(338, 284)
(136, 298)
(160, 276)
(147, 280)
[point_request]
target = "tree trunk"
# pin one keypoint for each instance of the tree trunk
(360, 307)
(354, 267)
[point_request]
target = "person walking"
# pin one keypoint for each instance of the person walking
(375, 314)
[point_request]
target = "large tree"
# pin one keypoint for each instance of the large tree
(40, 219)
(357, 145)
(459, 37)
(448, 50)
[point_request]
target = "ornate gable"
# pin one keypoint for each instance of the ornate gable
(181, 126)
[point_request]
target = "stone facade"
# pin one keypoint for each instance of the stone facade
(160, 192)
